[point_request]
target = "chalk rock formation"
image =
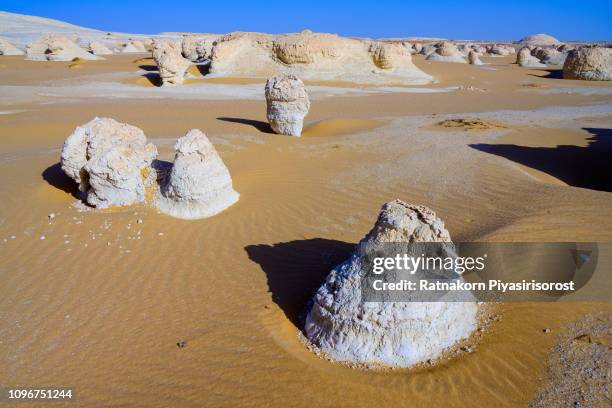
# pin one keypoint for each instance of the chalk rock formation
(525, 59)
(446, 52)
(391, 333)
(197, 49)
(134, 46)
(56, 47)
(590, 63)
(170, 62)
(110, 161)
(473, 58)
(539, 39)
(314, 56)
(427, 49)
(97, 48)
(199, 185)
(287, 104)
(7, 48)
(549, 56)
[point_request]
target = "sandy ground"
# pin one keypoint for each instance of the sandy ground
(101, 302)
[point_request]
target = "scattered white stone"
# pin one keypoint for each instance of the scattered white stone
(287, 104)
(42, 237)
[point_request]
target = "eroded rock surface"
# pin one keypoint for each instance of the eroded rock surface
(196, 48)
(539, 39)
(170, 62)
(446, 52)
(97, 48)
(590, 63)
(56, 47)
(287, 104)
(7, 48)
(525, 59)
(473, 58)
(134, 46)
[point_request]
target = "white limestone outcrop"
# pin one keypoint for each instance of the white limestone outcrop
(56, 47)
(7, 48)
(287, 104)
(170, 62)
(525, 59)
(590, 63)
(446, 52)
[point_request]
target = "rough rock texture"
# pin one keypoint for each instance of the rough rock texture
(539, 39)
(287, 104)
(110, 161)
(56, 47)
(500, 50)
(7, 48)
(170, 62)
(134, 46)
(314, 56)
(427, 49)
(397, 334)
(525, 59)
(197, 49)
(590, 63)
(97, 48)
(446, 52)
(549, 56)
(199, 185)
(473, 58)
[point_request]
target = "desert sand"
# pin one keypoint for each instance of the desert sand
(133, 307)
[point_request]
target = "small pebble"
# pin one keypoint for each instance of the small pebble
(546, 330)
(181, 344)
(51, 216)
(42, 237)
(139, 221)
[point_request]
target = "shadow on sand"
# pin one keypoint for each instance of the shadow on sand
(550, 74)
(148, 67)
(263, 127)
(296, 269)
(153, 78)
(586, 167)
(55, 176)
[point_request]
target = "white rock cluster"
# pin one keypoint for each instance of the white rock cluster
(115, 166)
(398, 334)
(590, 63)
(199, 184)
(196, 48)
(473, 58)
(170, 62)
(287, 104)
(133, 46)
(97, 48)
(56, 47)
(539, 39)
(525, 59)
(110, 161)
(446, 52)
(7, 48)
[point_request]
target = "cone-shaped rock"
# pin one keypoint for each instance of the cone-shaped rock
(7, 48)
(56, 47)
(287, 103)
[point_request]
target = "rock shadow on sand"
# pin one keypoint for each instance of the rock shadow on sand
(295, 270)
(587, 167)
(55, 176)
(550, 74)
(263, 127)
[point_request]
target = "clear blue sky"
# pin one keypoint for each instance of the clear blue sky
(566, 20)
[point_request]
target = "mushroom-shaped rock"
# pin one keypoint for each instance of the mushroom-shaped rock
(197, 49)
(539, 39)
(170, 62)
(525, 59)
(446, 52)
(97, 48)
(392, 333)
(110, 161)
(134, 46)
(56, 47)
(7, 48)
(287, 103)
(473, 58)
(590, 63)
(199, 184)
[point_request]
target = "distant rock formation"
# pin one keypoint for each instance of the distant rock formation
(549, 56)
(197, 49)
(287, 104)
(110, 161)
(397, 334)
(133, 46)
(97, 48)
(314, 56)
(525, 59)
(199, 184)
(56, 47)
(7, 48)
(473, 58)
(427, 49)
(590, 63)
(539, 39)
(446, 52)
(500, 50)
(170, 62)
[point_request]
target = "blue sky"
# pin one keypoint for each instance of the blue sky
(566, 20)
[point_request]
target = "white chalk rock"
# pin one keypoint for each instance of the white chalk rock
(539, 39)
(7, 48)
(473, 58)
(525, 59)
(97, 48)
(134, 46)
(388, 56)
(446, 52)
(590, 63)
(199, 184)
(287, 103)
(170, 62)
(110, 161)
(398, 334)
(197, 49)
(549, 56)
(56, 47)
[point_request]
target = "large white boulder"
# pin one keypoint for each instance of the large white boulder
(111, 162)
(446, 52)
(525, 59)
(56, 47)
(7, 48)
(539, 39)
(199, 184)
(170, 62)
(398, 334)
(196, 48)
(287, 104)
(590, 63)
(473, 58)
